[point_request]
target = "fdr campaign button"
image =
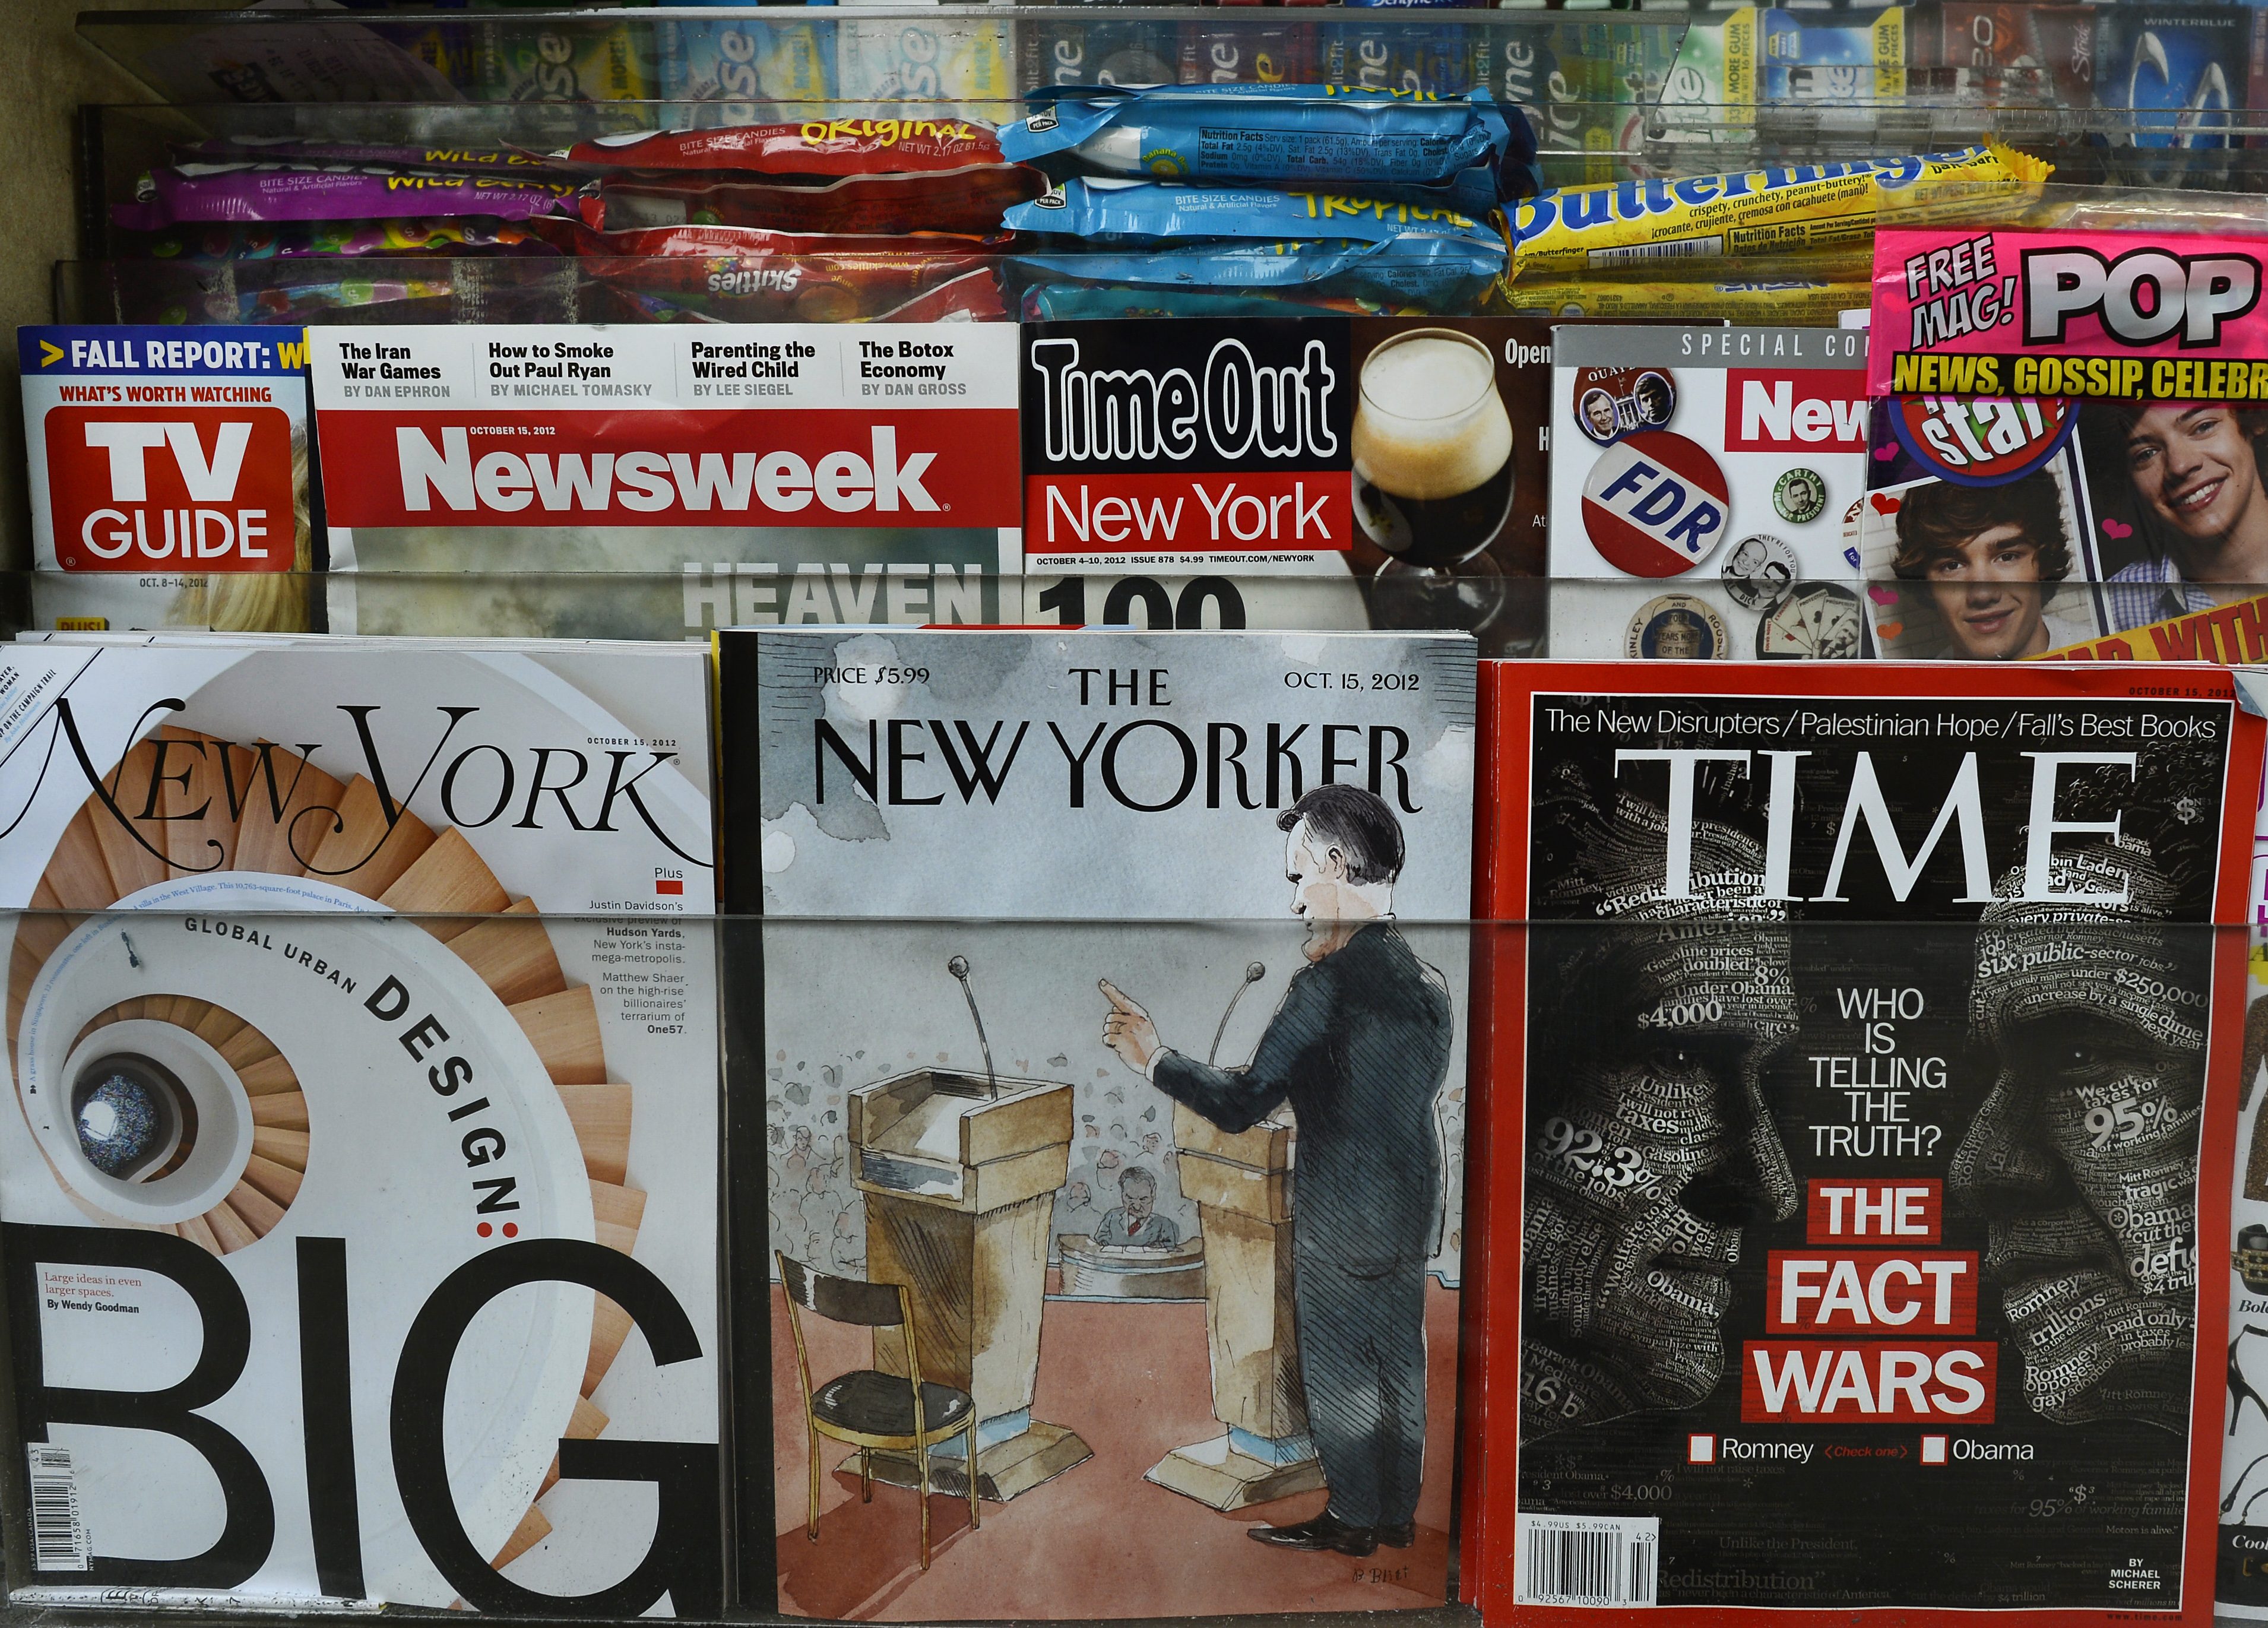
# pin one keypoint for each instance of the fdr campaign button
(1655, 504)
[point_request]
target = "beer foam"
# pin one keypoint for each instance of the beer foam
(1430, 423)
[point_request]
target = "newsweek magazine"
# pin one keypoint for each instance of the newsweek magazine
(1857, 1046)
(2067, 441)
(359, 1193)
(1045, 921)
(169, 477)
(660, 482)
(1704, 474)
(1288, 473)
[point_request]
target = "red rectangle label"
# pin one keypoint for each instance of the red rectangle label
(1852, 1211)
(1257, 511)
(197, 488)
(1867, 1382)
(1795, 410)
(734, 467)
(1870, 1292)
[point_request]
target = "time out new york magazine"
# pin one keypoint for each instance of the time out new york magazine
(359, 1176)
(1864, 1082)
(1104, 1064)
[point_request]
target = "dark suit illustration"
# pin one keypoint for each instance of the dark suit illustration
(1360, 1048)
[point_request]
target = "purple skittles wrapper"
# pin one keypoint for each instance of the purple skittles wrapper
(272, 192)
(479, 157)
(336, 240)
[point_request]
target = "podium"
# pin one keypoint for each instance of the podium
(1241, 1183)
(959, 1187)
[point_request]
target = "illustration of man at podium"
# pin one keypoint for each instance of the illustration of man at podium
(1136, 1224)
(1360, 1048)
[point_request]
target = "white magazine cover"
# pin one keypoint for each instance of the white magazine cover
(359, 1199)
(990, 863)
(1701, 478)
(662, 481)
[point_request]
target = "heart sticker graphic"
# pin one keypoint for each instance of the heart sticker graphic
(1881, 595)
(1891, 629)
(2116, 528)
(1884, 503)
(1887, 451)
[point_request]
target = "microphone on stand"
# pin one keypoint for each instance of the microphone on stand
(1253, 974)
(958, 967)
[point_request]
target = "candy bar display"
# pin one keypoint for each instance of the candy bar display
(1179, 536)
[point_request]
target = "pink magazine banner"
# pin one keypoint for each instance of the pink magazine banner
(1964, 311)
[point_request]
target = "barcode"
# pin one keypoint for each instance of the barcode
(1587, 1559)
(59, 1540)
(1680, 248)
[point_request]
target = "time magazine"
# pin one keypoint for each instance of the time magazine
(1863, 1077)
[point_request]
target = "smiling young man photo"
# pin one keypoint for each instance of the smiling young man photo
(1990, 557)
(2195, 470)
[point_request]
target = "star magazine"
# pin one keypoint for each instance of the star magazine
(360, 1182)
(1863, 1084)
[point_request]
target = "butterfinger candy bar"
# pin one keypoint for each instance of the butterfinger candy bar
(971, 199)
(1794, 301)
(824, 148)
(1769, 212)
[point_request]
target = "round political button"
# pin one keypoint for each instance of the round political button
(1799, 495)
(1609, 402)
(1758, 572)
(1676, 627)
(1655, 504)
(1818, 622)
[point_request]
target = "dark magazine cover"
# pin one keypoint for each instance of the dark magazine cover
(1863, 1109)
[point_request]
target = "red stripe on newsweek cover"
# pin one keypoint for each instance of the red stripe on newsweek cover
(839, 467)
(1490, 1483)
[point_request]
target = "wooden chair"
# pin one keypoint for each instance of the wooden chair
(866, 1408)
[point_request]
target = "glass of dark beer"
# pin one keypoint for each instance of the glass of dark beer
(1432, 477)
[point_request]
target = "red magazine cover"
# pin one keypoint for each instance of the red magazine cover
(1858, 1049)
